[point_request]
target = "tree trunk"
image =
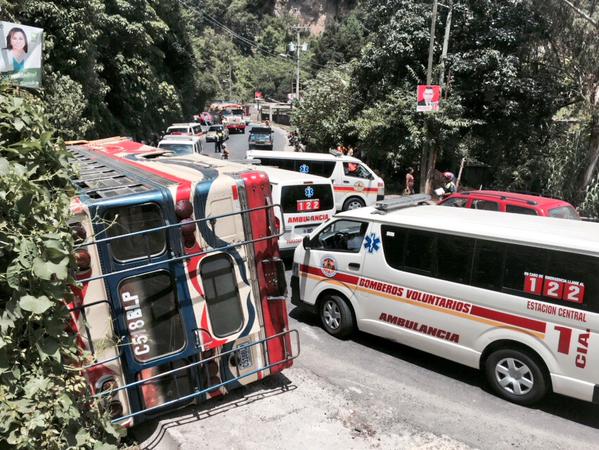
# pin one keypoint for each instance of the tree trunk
(593, 142)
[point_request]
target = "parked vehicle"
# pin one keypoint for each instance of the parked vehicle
(356, 185)
(181, 288)
(514, 296)
(512, 202)
(232, 118)
(306, 201)
(260, 137)
(191, 128)
(181, 144)
(214, 130)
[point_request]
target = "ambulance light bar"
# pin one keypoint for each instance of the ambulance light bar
(385, 206)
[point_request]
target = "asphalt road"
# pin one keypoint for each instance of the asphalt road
(368, 392)
(238, 144)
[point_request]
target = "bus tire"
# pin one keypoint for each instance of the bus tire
(336, 316)
(353, 203)
(516, 375)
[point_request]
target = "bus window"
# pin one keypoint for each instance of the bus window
(129, 219)
(222, 295)
(454, 258)
(152, 315)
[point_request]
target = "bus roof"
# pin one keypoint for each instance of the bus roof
(561, 234)
(300, 155)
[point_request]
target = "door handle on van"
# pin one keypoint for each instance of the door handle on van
(354, 266)
(346, 182)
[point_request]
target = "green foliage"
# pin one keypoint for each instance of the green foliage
(341, 41)
(43, 403)
(323, 116)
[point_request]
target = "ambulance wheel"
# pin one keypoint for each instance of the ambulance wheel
(353, 203)
(517, 376)
(336, 316)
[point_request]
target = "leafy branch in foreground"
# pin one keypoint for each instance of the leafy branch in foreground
(42, 405)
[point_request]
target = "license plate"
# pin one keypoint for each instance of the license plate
(308, 205)
(244, 358)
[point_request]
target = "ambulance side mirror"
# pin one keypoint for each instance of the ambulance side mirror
(306, 242)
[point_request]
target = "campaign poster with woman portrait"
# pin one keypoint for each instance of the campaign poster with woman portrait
(21, 54)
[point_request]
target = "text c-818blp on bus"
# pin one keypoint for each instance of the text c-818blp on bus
(181, 289)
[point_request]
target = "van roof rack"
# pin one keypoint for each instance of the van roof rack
(385, 206)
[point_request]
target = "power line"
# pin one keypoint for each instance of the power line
(212, 21)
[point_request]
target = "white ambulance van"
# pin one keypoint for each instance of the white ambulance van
(356, 185)
(515, 296)
(306, 202)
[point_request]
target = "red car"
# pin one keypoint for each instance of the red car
(512, 202)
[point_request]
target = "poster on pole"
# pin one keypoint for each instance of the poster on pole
(258, 96)
(21, 54)
(428, 97)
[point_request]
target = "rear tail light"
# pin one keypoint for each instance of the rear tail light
(78, 232)
(83, 260)
(183, 209)
(188, 228)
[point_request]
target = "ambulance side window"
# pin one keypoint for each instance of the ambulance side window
(487, 265)
(454, 258)
(342, 236)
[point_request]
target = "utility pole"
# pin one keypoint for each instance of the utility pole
(230, 81)
(427, 162)
(297, 70)
(445, 44)
(298, 47)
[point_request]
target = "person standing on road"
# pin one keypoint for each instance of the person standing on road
(409, 190)
(218, 142)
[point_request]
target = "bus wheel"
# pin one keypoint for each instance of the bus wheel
(516, 376)
(353, 203)
(336, 317)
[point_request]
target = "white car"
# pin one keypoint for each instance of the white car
(213, 130)
(192, 128)
(181, 144)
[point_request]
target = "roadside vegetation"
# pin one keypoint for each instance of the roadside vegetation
(520, 95)
(44, 401)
